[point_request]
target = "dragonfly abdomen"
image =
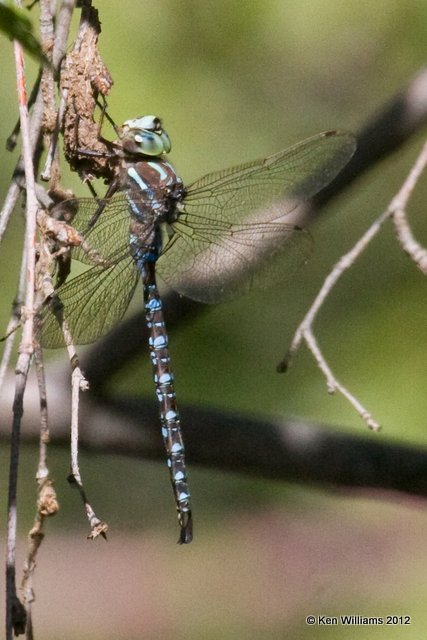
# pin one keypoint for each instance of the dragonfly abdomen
(169, 414)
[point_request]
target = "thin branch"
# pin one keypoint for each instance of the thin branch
(409, 244)
(12, 139)
(415, 251)
(15, 320)
(15, 613)
(62, 30)
(47, 86)
(56, 238)
(47, 504)
(304, 331)
(8, 207)
(79, 383)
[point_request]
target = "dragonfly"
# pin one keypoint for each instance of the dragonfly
(210, 241)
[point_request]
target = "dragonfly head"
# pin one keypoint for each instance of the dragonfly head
(146, 136)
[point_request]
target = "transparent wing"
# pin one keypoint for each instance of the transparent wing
(93, 303)
(217, 264)
(228, 237)
(272, 187)
(109, 237)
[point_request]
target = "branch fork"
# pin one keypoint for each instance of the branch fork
(418, 254)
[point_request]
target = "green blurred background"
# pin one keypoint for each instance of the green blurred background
(235, 81)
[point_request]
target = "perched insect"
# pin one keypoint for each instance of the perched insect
(209, 241)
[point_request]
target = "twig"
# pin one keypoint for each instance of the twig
(17, 617)
(52, 153)
(47, 85)
(98, 527)
(398, 206)
(47, 504)
(47, 37)
(12, 139)
(42, 472)
(304, 332)
(56, 233)
(8, 206)
(78, 384)
(62, 30)
(15, 320)
(409, 244)
(15, 612)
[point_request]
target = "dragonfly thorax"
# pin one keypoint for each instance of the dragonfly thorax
(153, 190)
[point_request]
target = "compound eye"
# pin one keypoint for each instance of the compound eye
(145, 135)
(167, 146)
(151, 144)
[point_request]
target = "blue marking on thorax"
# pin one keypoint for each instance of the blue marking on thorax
(146, 188)
(158, 167)
(133, 173)
(133, 206)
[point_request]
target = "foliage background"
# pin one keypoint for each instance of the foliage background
(235, 81)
